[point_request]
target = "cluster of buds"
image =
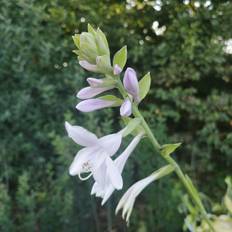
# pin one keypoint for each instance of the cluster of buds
(96, 159)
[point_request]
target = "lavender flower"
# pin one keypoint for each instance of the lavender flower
(131, 83)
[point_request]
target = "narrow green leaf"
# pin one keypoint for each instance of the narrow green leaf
(120, 57)
(167, 149)
(144, 86)
(131, 126)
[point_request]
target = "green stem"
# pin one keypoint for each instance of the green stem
(189, 187)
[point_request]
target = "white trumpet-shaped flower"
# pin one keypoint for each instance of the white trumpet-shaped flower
(96, 153)
(104, 187)
(128, 199)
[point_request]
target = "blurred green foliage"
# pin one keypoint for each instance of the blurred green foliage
(190, 101)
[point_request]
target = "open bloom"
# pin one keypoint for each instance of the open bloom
(128, 199)
(104, 188)
(96, 153)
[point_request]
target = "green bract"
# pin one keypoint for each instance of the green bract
(144, 86)
(167, 149)
(120, 57)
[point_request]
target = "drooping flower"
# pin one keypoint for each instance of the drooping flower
(96, 152)
(128, 199)
(104, 188)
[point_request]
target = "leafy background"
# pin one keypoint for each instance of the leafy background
(190, 101)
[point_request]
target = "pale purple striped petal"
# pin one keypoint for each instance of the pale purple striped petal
(89, 92)
(93, 104)
(114, 174)
(80, 135)
(131, 83)
(110, 143)
(86, 65)
(94, 82)
(117, 69)
(126, 108)
(120, 161)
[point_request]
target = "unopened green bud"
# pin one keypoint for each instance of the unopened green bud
(103, 64)
(102, 43)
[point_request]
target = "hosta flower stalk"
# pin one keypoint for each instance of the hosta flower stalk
(96, 156)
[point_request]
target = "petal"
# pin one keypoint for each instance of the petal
(127, 208)
(98, 158)
(114, 174)
(94, 188)
(93, 104)
(94, 82)
(117, 69)
(108, 192)
(86, 65)
(120, 161)
(89, 92)
(99, 176)
(110, 143)
(126, 108)
(131, 83)
(97, 190)
(123, 200)
(80, 135)
(82, 157)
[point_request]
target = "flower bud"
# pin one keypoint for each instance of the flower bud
(86, 65)
(93, 104)
(94, 82)
(126, 108)
(117, 69)
(89, 92)
(131, 83)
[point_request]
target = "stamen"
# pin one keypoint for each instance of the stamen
(84, 178)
